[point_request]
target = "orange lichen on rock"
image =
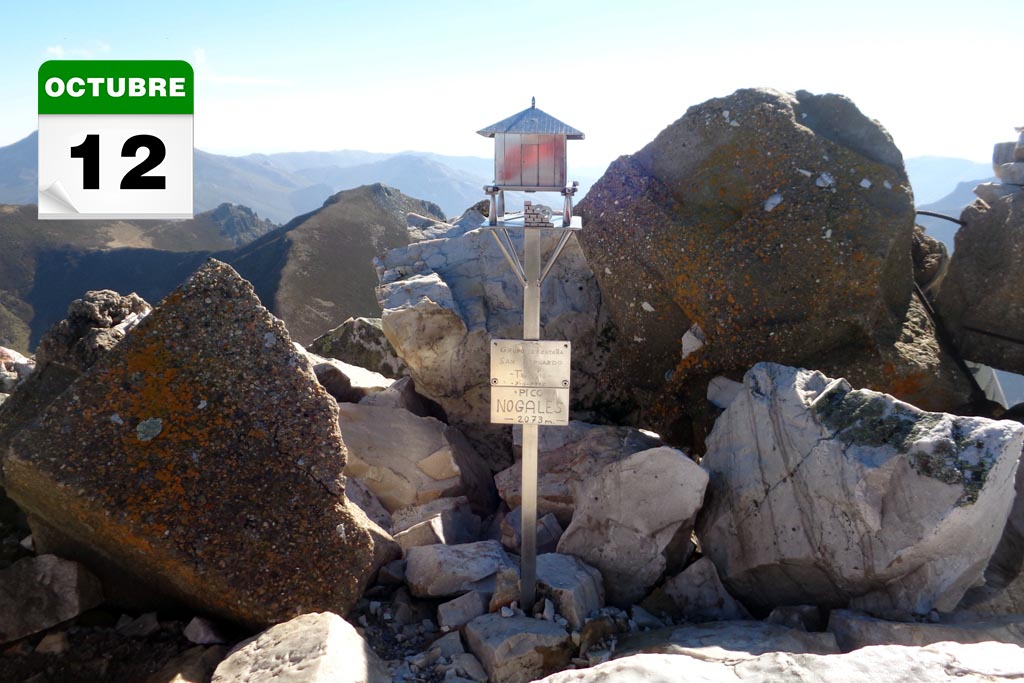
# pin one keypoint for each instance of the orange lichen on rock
(202, 457)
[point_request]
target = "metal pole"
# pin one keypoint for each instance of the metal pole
(531, 331)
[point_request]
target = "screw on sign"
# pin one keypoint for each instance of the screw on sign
(529, 377)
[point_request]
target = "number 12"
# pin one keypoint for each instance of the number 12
(135, 179)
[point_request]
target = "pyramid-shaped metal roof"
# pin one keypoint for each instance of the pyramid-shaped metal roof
(532, 121)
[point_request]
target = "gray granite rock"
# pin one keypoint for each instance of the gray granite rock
(576, 589)
(437, 571)
(37, 593)
(462, 609)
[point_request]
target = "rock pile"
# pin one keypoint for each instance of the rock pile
(328, 522)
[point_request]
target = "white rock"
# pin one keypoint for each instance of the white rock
(1003, 153)
(1012, 173)
(824, 495)
(576, 588)
(518, 649)
(854, 630)
(445, 520)
(990, 193)
(693, 340)
(772, 201)
(696, 594)
(548, 531)
(409, 460)
(443, 570)
(570, 455)
(344, 381)
(462, 609)
(466, 664)
(628, 514)
(979, 663)
(722, 391)
(312, 648)
(865, 183)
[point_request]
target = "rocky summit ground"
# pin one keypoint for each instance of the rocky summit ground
(779, 467)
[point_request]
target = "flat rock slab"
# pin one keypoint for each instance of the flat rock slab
(825, 495)
(311, 648)
(201, 456)
(854, 630)
(39, 592)
(980, 663)
(729, 640)
(518, 649)
(434, 571)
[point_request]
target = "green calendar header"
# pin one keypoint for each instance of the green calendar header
(116, 87)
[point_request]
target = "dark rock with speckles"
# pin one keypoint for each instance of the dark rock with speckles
(762, 226)
(981, 300)
(94, 325)
(202, 457)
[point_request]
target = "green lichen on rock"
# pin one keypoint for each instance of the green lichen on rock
(868, 418)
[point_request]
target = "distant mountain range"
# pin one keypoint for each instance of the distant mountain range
(932, 178)
(314, 272)
(281, 186)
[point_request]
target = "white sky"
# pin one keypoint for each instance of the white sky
(941, 76)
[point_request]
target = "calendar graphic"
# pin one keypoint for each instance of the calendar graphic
(115, 139)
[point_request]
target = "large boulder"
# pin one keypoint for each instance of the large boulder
(760, 226)
(633, 518)
(201, 457)
(981, 302)
(824, 495)
(443, 301)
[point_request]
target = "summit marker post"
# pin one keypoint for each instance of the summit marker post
(529, 377)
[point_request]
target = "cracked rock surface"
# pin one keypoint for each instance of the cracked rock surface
(240, 485)
(823, 495)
